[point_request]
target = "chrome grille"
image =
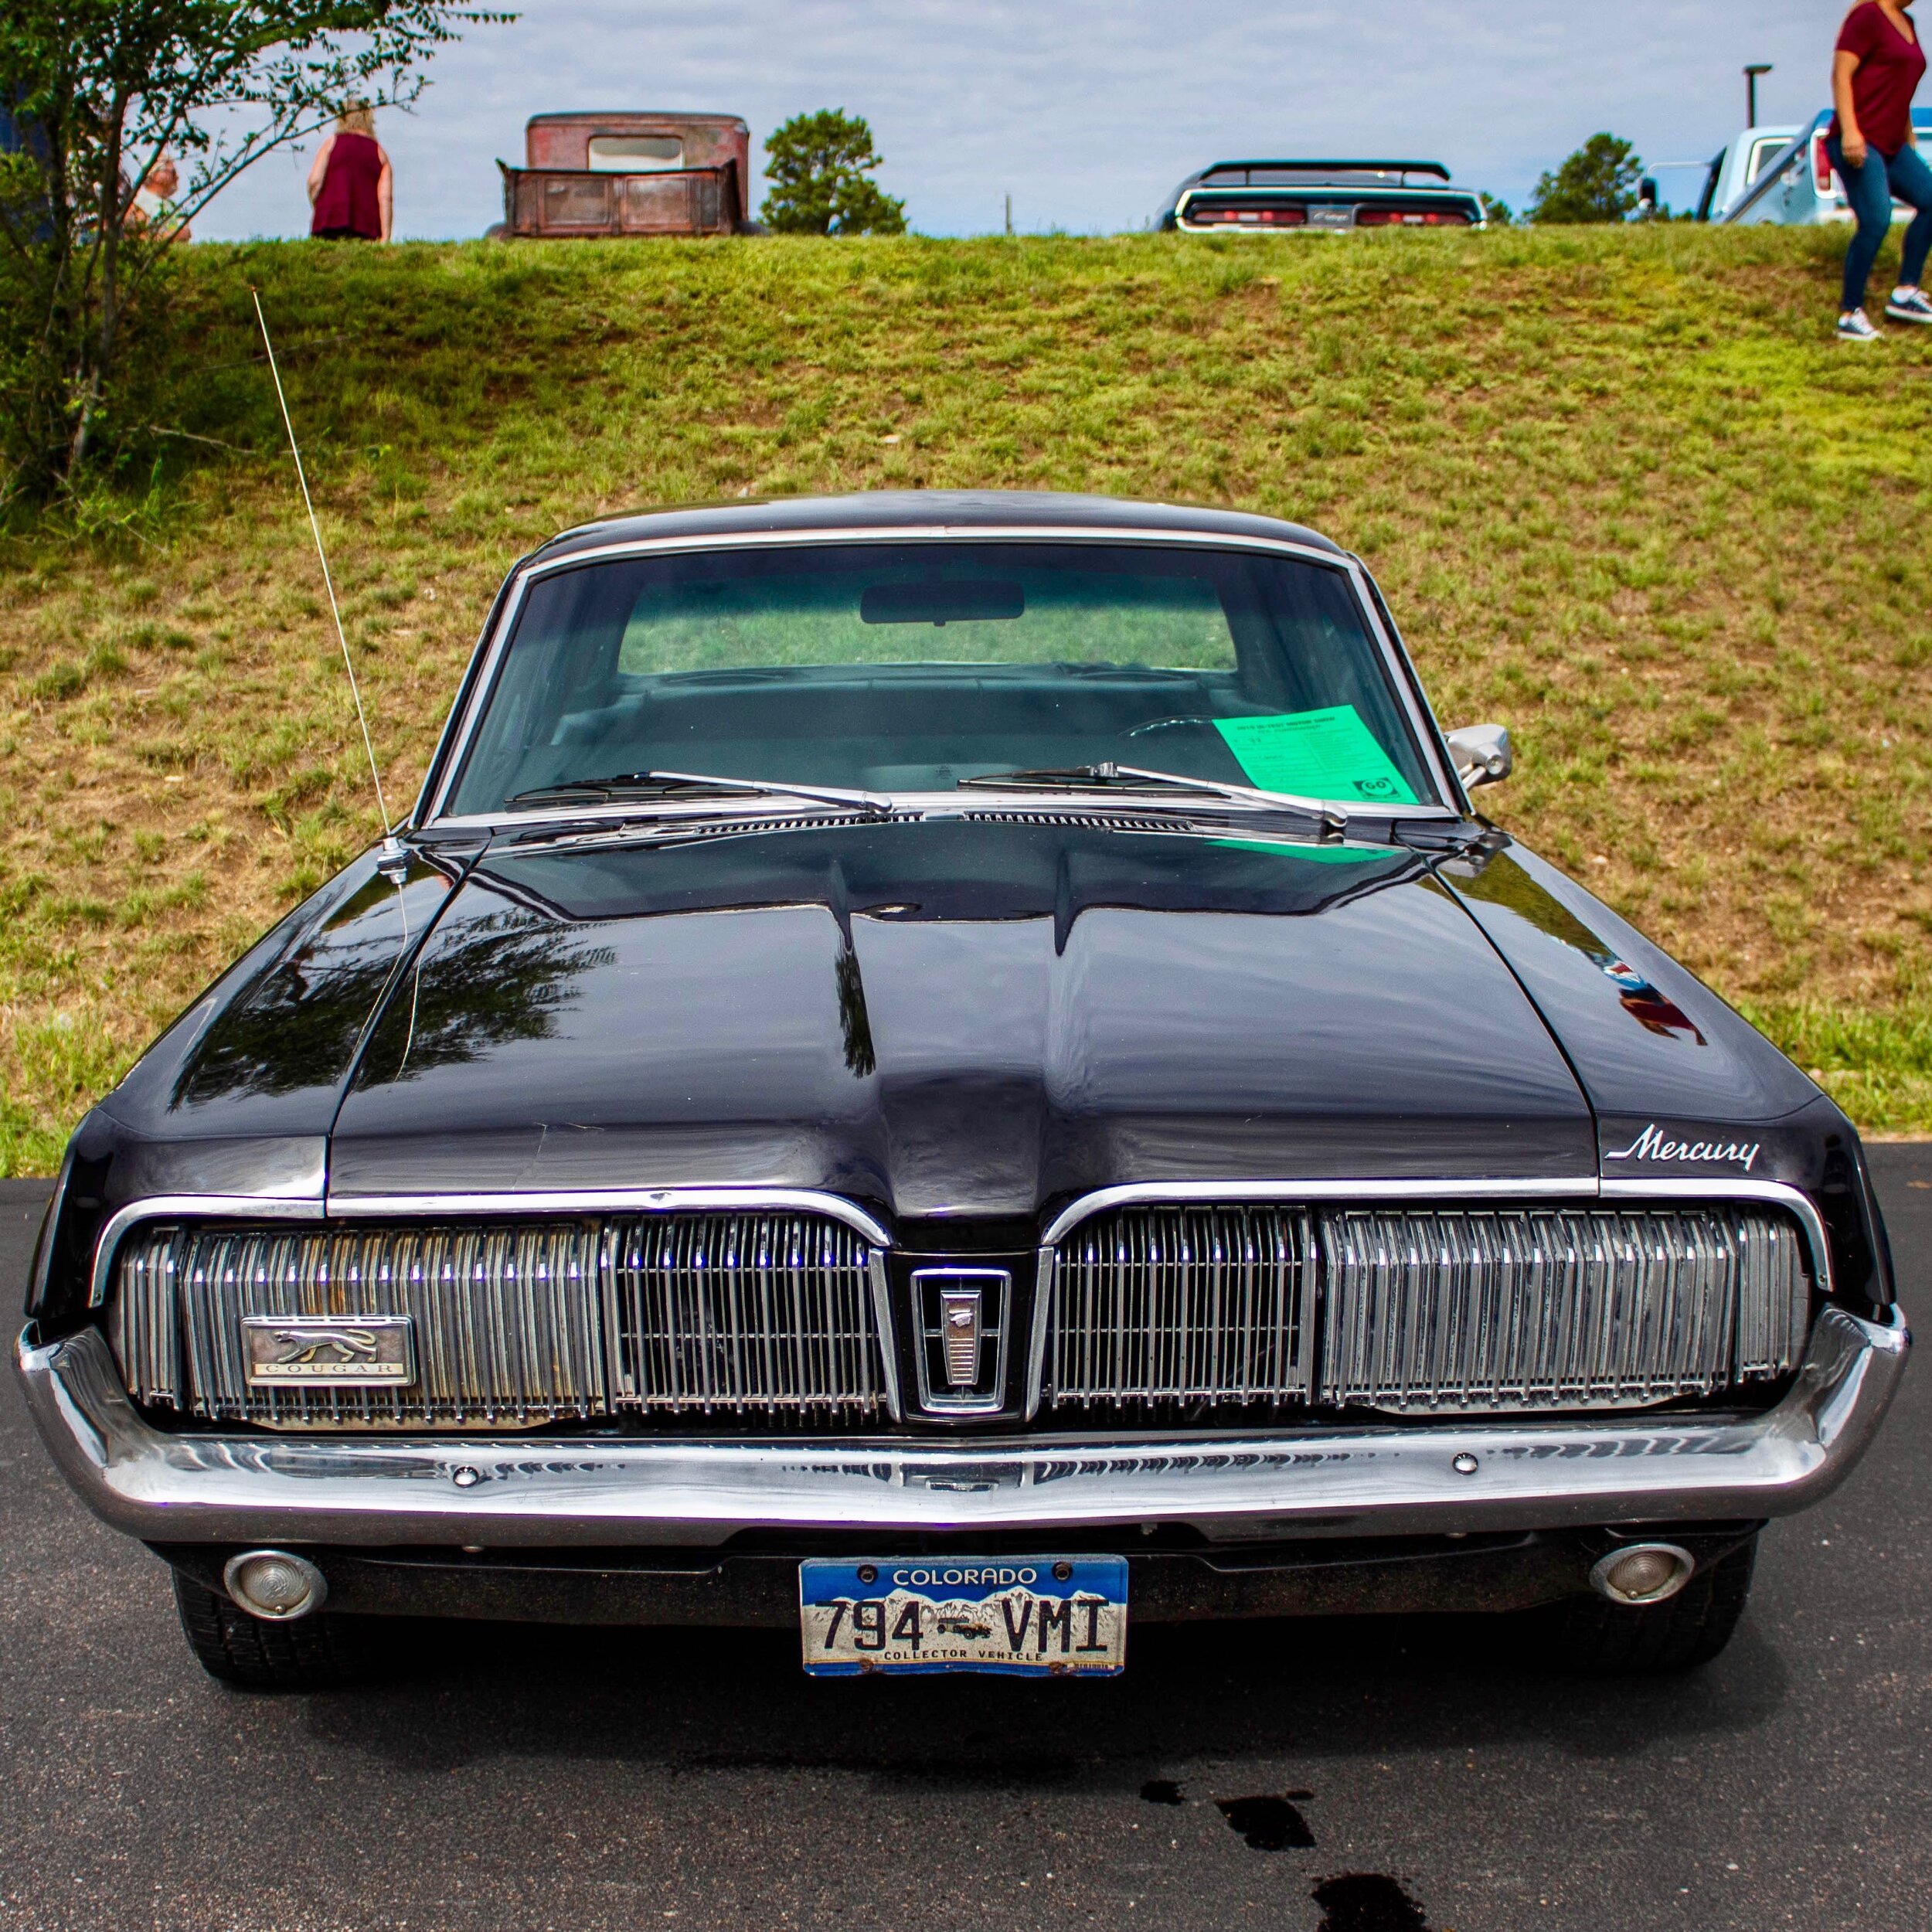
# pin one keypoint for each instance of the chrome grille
(1443, 1310)
(769, 1317)
(1179, 1305)
(1464, 1309)
(771, 1313)
(506, 1322)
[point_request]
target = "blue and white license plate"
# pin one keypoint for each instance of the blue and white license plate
(1024, 1617)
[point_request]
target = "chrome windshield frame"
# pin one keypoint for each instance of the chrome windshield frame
(430, 811)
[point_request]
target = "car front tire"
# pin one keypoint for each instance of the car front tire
(316, 1652)
(1591, 1637)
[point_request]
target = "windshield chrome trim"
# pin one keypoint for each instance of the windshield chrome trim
(910, 807)
(455, 747)
(1423, 719)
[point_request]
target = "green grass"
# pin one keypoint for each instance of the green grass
(1624, 491)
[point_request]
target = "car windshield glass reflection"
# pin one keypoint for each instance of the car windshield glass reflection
(914, 667)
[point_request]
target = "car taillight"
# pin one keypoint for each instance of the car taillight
(1411, 218)
(1248, 215)
(1821, 164)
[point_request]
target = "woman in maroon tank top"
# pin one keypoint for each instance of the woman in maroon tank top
(350, 185)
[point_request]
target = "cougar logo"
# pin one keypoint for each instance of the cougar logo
(304, 1345)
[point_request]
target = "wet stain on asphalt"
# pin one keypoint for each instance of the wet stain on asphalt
(1268, 1824)
(1162, 1790)
(1367, 1902)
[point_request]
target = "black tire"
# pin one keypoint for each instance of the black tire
(1591, 1637)
(316, 1652)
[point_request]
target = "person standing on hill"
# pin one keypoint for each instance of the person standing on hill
(350, 185)
(1875, 74)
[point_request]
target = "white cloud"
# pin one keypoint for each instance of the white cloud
(1088, 111)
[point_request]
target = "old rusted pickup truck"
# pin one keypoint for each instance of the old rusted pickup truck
(629, 174)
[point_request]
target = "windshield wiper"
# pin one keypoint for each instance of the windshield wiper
(1136, 778)
(670, 784)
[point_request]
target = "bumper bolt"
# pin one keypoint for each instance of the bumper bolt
(466, 1477)
(1464, 1464)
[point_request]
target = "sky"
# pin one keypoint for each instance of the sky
(1088, 112)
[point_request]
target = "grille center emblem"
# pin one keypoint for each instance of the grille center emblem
(959, 1313)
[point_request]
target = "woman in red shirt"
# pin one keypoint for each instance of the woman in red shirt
(1876, 71)
(350, 185)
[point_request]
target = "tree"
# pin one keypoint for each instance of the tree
(98, 91)
(1597, 183)
(820, 167)
(1499, 214)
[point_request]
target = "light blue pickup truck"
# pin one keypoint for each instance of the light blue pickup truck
(1782, 174)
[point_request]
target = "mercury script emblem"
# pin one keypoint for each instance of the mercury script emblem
(1652, 1144)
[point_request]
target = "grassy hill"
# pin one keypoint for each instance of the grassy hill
(1623, 491)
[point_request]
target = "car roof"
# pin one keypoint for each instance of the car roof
(955, 512)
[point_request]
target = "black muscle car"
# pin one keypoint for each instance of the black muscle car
(949, 1071)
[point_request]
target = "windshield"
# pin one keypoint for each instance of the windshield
(913, 667)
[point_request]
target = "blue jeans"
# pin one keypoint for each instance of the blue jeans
(1871, 190)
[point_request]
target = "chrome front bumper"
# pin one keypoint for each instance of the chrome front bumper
(607, 1492)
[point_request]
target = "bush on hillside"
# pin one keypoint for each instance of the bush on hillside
(820, 167)
(1597, 183)
(99, 97)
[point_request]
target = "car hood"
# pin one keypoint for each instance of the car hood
(952, 1019)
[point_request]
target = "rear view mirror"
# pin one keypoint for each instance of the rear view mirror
(1481, 754)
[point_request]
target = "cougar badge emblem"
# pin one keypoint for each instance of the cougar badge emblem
(362, 1351)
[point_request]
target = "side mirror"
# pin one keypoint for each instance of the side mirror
(1482, 754)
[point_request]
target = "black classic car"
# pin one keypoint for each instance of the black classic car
(949, 1071)
(1318, 198)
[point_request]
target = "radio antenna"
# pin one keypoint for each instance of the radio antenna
(390, 844)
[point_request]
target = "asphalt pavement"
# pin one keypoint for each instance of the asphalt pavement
(1372, 1776)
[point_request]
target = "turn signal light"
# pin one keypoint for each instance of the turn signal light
(1643, 1573)
(274, 1585)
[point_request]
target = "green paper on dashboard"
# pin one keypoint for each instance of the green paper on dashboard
(1315, 855)
(1317, 754)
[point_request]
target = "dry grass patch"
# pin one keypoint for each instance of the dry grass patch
(1623, 489)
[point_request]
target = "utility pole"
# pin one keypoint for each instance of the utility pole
(1750, 92)
(1009, 214)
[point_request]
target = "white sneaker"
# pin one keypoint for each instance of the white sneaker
(1857, 327)
(1909, 305)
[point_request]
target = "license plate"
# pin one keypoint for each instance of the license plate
(1023, 1616)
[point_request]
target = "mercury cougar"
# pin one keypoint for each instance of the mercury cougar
(955, 1074)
